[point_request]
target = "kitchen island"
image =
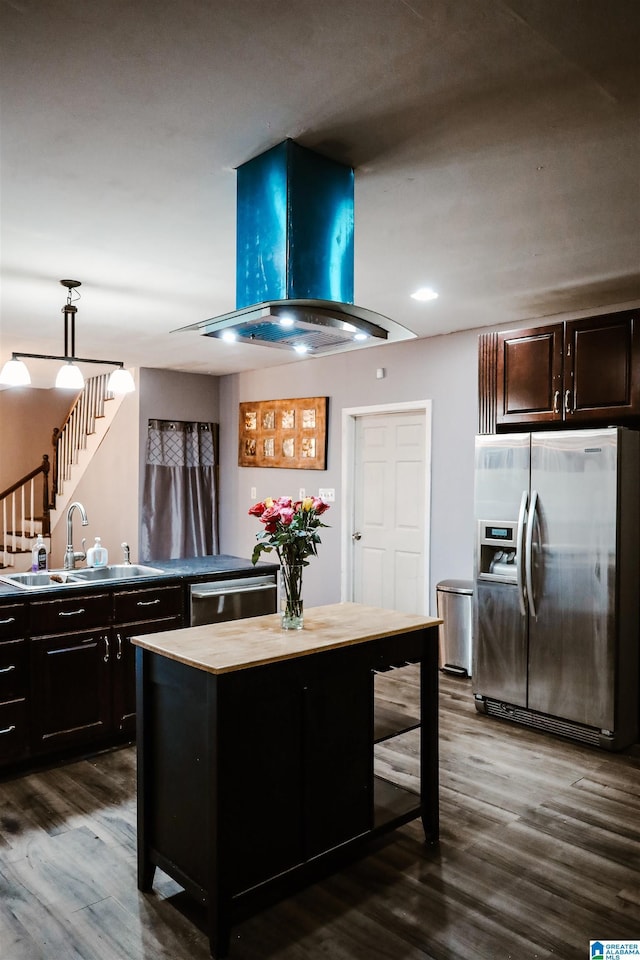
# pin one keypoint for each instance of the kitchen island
(256, 752)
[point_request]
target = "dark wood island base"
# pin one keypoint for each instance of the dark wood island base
(256, 752)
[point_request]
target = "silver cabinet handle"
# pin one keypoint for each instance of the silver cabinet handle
(356, 536)
(8, 669)
(119, 652)
(567, 401)
(556, 401)
(70, 613)
(8, 620)
(8, 729)
(147, 603)
(106, 649)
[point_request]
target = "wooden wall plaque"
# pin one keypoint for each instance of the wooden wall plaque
(283, 433)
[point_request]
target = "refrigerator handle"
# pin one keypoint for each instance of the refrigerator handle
(522, 519)
(529, 553)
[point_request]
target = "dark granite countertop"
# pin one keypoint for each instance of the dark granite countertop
(188, 568)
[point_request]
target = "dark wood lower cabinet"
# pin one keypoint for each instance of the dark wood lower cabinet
(124, 670)
(14, 683)
(67, 667)
(71, 690)
(14, 730)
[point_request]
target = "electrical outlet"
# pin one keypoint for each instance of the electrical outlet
(301, 493)
(253, 493)
(327, 493)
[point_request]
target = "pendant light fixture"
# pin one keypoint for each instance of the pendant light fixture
(15, 372)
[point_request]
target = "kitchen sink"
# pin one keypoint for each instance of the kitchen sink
(76, 578)
(50, 578)
(115, 571)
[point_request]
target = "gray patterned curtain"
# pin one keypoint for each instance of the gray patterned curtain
(179, 506)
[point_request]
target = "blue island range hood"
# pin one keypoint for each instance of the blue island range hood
(295, 259)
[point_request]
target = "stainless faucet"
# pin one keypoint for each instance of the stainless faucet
(70, 556)
(127, 553)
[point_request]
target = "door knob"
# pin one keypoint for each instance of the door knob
(356, 536)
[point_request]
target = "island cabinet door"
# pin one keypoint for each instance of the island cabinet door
(260, 774)
(295, 763)
(338, 754)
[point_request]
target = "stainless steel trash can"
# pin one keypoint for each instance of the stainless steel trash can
(455, 606)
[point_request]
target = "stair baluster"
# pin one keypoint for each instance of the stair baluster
(19, 524)
(72, 435)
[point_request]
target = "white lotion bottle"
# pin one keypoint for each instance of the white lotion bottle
(97, 555)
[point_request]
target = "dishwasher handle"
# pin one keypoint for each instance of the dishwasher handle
(202, 591)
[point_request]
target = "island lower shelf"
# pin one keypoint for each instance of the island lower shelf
(256, 780)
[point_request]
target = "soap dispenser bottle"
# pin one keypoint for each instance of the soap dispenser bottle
(39, 555)
(97, 555)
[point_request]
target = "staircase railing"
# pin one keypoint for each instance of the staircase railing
(71, 437)
(18, 505)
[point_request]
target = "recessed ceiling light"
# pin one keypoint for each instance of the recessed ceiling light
(301, 348)
(229, 336)
(286, 321)
(360, 336)
(424, 294)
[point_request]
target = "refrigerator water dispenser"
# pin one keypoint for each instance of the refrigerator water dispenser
(497, 551)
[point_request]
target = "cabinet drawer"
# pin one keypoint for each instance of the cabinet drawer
(71, 613)
(13, 621)
(13, 730)
(149, 626)
(151, 603)
(13, 669)
(398, 650)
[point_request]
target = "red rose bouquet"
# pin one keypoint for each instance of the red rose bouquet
(292, 530)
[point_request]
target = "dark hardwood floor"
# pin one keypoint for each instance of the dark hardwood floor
(539, 853)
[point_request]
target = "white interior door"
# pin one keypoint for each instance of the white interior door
(385, 535)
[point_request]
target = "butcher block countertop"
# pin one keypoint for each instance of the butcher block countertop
(240, 644)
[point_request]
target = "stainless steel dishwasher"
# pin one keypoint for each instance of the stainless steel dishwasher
(214, 601)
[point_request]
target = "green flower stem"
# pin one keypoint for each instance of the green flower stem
(292, 582)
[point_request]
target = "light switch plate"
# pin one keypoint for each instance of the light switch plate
(253, 493)
(327, 493)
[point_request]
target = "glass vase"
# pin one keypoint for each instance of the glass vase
(291, 596)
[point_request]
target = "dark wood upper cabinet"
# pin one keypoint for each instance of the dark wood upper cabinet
(529, 378)
(602, 368)
(582, 372)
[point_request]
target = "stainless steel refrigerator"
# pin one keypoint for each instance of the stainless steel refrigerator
(557, 582)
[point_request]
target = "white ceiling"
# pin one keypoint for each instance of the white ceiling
(495, 144)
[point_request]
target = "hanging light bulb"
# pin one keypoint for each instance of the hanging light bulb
(15, 374)
(121, 381)
(70, 377)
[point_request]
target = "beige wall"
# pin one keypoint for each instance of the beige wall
(108, 491)
(441, 369)
(27, 419)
